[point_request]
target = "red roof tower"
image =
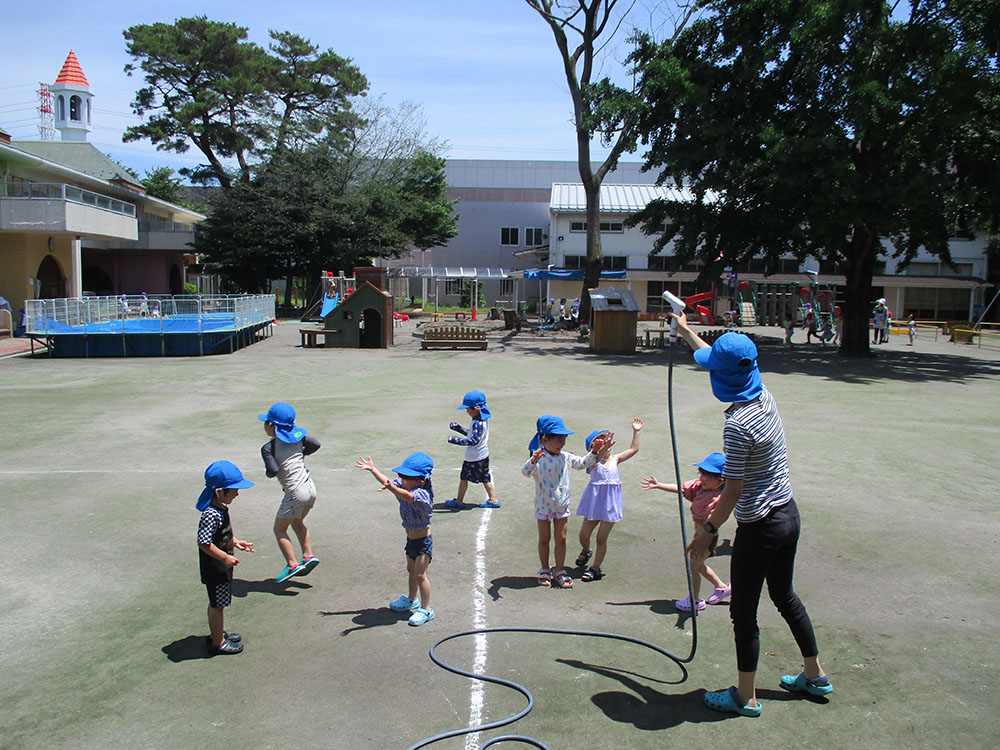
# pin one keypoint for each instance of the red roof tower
(72, 72)
(72, 100)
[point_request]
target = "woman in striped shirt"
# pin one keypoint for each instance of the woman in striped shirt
(758, 492)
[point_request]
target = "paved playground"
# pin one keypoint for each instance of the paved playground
(893, 462)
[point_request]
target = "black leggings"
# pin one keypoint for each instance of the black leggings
(765, 551)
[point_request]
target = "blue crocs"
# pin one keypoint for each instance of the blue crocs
(421, 616)
(802, 684)
(728, 700)
(404, 604)
(453, 503)
(489, 504)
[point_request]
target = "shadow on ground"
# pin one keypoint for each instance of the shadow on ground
(510, 582)
(187, 648)
(648, 709)
(370, 617)
(241, 588)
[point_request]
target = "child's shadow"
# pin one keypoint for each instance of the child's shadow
(723, 549)
(510, 582)
(369, 618)
(660, 607)
(187, 648)
(241, 588)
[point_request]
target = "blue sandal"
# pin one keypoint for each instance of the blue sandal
(728, 700)
(802, 684)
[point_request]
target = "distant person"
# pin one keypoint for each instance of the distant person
(838, 325)
(911, 328)
(826, 328)
(416, 503)
(880, 316)
(476, 466)
(810, 324)
(548, 464)
(601, 502)
(216, 544)
(789, 326)
(759, 492)
(284, 457)
(703, 493)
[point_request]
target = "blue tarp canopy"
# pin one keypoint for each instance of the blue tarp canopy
(569, 275)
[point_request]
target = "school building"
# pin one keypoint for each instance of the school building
(518, 216)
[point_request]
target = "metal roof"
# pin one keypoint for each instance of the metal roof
(449, 272)
(625, 199)
(613, 298)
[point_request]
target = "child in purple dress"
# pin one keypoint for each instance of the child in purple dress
(601, 502)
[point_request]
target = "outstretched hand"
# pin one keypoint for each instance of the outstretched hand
(649, 483)
(636, 424)
(365, 464)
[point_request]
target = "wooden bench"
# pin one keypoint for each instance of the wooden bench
(454, 337)
(309, 336)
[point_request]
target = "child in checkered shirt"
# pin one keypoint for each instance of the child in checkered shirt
(216, 544)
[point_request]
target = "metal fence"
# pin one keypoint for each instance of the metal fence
(113, 314)
(61, 191)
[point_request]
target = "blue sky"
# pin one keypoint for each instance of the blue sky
(486, 73)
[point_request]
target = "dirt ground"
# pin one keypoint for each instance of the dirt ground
(893, 463)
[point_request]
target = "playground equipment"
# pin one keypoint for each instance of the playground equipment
(704, 313)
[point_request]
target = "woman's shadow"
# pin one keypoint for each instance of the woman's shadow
(371, 617)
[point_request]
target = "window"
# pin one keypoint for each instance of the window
(74, 108)
(508, 236)
(578, 226)
(454, 286)
(615, 263)
(612, 226)
(507, 289)
(532, 237)
(575, 261)
(61, 108)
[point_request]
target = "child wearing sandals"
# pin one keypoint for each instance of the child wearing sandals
(601, 502)
(549, 465)
(416, 503)
(216, 544)
(476, 467)
(703, 493)
(284, 457)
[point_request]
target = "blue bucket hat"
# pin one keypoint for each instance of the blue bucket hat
(591, 436)
(417, 464)
(732, 365)
(547, 425)
(221, 475)
(282, 416)
(713, 463)
(476, 400)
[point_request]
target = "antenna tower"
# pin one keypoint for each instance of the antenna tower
(46, 116)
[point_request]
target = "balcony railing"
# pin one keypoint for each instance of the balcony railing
(145, 225)
(62, 191)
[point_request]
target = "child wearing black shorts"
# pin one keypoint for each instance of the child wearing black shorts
(216, 544)
(476, 467)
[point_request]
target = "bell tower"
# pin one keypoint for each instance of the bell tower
(72, 99)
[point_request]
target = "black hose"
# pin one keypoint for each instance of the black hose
(680, 661)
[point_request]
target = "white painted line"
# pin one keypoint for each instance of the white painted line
(476, 698)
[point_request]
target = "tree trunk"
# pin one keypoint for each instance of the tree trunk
(859, 267)
(595, 254)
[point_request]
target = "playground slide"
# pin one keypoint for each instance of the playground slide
(704, 314)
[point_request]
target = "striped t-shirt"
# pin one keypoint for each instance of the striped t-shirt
(754, 442)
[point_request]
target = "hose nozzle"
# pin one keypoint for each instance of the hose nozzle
(677, 305)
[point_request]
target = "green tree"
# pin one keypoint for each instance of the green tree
(161, 183)
(821, 129)
(582, 29)
(206, 85)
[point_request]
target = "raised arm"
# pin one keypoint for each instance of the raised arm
(626, 454)
(693, 339)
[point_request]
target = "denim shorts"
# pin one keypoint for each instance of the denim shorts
(417, 547)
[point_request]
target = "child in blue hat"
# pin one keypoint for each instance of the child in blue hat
(284, 457)
(601, 501)
(549, 465)
(416, 503)
(476, 467)
(216, 543)
(703, 493)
